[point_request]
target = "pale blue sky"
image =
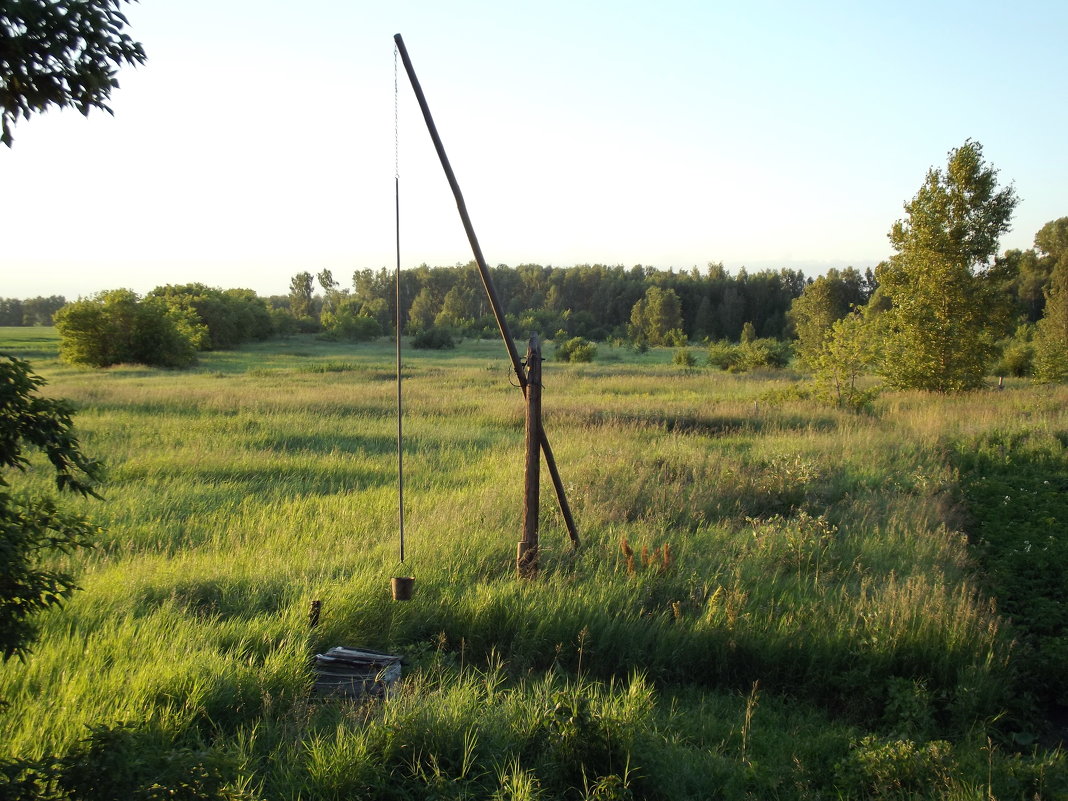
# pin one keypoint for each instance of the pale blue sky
(257, 141)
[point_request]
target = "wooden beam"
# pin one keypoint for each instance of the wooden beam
(487, 283)
(527, 554)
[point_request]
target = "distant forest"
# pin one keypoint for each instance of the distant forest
(32, 311)
(593, 301)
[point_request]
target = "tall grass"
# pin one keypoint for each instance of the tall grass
(815, 552)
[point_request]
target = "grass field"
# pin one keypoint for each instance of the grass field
(803, 617)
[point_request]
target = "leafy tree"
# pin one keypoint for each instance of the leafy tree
(31, 311)
(423, 311)
(1051, 340)
(1052, 239)
(231, 317)
(10, 311)
(249, 310)
(33, 527)
(704, 323)
(1029, 276)
(1017, 352)
(41, 310)
(654, 316)
(731, 309)
(830, 297)
(947, 307)
(459, 307)
(847, 353)
(301, 290)
(346, 322)
(748, 334)
(60, 53)
(812, 316)
(116, 326)
(332, 292)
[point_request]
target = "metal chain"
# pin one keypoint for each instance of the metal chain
(396, 117)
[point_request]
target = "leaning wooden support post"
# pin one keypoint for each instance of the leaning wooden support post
(526, 560)
(487, 282)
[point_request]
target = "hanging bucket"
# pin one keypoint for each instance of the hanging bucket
(402, 587)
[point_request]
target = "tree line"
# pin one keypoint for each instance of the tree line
(31, 311)
(593, 301)
(940, 314)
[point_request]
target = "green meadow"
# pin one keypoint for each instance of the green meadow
(815, 603)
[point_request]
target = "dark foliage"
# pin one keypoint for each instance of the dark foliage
(31, 528)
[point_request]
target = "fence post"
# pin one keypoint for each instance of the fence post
(526, 562)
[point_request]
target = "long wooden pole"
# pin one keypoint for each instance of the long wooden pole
(487, 282)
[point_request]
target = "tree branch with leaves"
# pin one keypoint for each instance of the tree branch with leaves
(60, 53)
(33, 528)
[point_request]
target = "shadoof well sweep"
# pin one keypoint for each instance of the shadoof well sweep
(527, 372)
(359, 673)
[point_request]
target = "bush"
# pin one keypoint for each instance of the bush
(684, 358)
(345, 323)
(1016, 360)
(117, 327)
(230, 317)
(848, 351)
(676, 338)
(878, 768)
(283, 323)
(137, 763)
(1017, 353)
(723, 354)
(756, 354)
(576, 349)
(762, 353)
(434, 338)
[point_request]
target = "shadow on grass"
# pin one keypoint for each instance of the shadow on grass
(702, 425)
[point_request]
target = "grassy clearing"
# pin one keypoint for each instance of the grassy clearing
(820, 626)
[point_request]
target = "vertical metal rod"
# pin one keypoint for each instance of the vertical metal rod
(487, 282)
(400, 407)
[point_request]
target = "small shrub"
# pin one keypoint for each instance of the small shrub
(882, 768)
(676, 338)
(722, 354)
(685, 359)
(123, 762)
(350, 327)
(762, 353)
(753, 355)
(576, 349)
(434, 338)
(1017, 353)
(1016, 360)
